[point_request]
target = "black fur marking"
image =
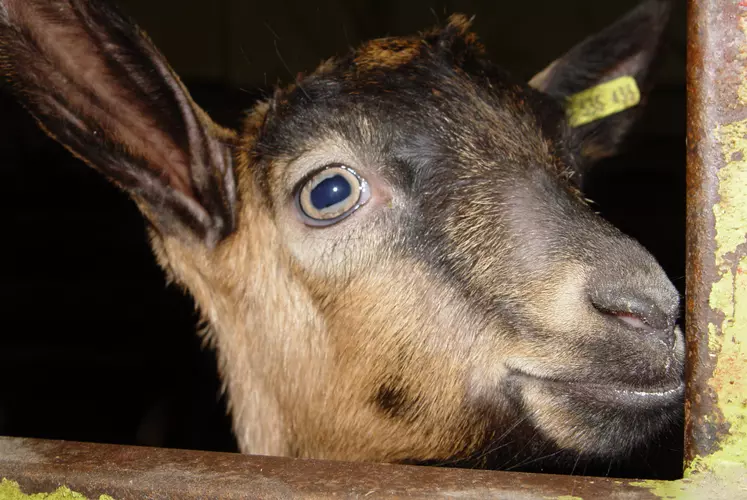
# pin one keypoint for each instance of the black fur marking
(395, 401)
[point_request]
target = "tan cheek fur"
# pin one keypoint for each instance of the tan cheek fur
(303, 358)
(395, 327)
(262, 322)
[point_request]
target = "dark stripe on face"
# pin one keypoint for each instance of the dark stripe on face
(395, 401)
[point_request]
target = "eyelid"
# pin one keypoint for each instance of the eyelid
(312, 159)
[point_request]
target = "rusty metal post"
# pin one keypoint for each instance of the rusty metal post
(716, 409)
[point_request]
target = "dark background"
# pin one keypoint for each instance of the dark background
(95, 347)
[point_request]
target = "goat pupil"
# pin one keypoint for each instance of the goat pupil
(330, 191)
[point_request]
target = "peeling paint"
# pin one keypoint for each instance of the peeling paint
(742, 90)
(728, 341)
(10, 490)
(723, 473)
(731, 210)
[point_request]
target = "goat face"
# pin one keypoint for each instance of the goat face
(394, 257)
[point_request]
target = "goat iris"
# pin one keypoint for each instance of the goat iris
(330, 191)
(331, 194)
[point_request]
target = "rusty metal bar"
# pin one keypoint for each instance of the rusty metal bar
(126, 472)
(716, 409)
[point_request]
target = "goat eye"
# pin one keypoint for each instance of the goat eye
(331, 194)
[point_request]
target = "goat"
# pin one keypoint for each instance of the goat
(393, 256)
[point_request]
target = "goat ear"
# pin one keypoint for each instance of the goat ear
(622, 55)
(97, 85)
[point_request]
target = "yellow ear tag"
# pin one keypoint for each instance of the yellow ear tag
(603, 100)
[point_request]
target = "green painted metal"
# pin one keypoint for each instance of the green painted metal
(10, 490)
(716, 409)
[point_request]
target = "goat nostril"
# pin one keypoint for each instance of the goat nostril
(630, 319)
(639, 312)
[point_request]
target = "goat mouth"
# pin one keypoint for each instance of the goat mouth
(611, 393)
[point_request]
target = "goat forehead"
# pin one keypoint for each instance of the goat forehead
(412, 110)
(418, 109)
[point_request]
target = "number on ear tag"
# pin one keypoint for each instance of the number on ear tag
(603, 100)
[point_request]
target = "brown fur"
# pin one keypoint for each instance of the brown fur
(387, 53)
(469, 306)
